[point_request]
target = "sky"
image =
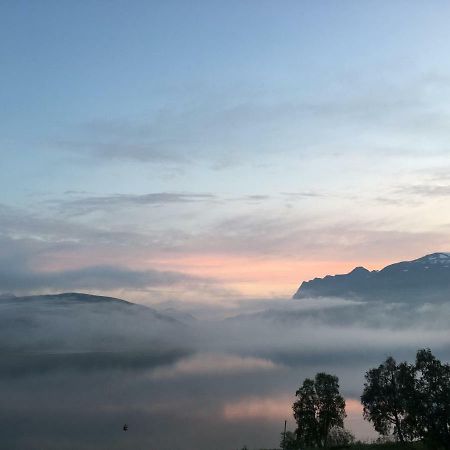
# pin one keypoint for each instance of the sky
(204, 158)
(204, 151)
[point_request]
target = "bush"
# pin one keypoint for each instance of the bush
(340, 436)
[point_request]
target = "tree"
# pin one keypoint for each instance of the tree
(288, 441)
(412, 400)
(385, 398)
(318, 408)
(430, 408)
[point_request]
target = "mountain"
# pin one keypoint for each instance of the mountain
(72, 300)
(78, 321)
(83, 332)
(426, 279)
(65, 298)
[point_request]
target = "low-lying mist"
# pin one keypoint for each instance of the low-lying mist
(73, 371)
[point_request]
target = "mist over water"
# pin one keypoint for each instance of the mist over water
(72, 372)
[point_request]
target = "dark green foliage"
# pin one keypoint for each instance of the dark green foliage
(412, 400)
(430, 409)
(375, 446)
(385, 398)
(340, 437)
(319, 406)
(289, 442)
(390, 446)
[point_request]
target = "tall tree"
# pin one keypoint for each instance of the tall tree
(318, 408)
(385, 398)
(430, 409)
(412, 400)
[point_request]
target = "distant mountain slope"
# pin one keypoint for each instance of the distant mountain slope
(65, 298)
(426, 279)
(78, 300)
(81, 322)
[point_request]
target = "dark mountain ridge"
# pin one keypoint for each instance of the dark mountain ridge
(65, 298)
(71, 300)
(84, 332)
(426, 279)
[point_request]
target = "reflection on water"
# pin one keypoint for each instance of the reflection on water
(194, 386)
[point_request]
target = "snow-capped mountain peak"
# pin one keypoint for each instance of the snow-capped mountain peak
(424, 279)
(435, 258)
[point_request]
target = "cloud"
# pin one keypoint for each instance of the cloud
(316, 237)
(426, 190)
(86, 205)
(90, 277)
(34, 261)
(159, 151)
(306, 194)
(227, 252)
(392, 118)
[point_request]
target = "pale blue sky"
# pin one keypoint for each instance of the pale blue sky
(326, 115)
